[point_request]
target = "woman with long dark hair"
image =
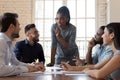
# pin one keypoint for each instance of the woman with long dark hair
(111, 37)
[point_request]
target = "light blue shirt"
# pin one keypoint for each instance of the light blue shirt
(9, 65)
(101, 54)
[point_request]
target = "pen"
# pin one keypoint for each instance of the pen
(37, 61)
(68, 62)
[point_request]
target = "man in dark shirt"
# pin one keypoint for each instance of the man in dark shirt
(29, 50)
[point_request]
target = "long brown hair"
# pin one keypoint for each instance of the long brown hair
(115, 28)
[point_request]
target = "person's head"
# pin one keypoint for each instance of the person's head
(112, 35)
(63, 16)
(0, 22)
(98, 35)
(31, 32)
(10, 24)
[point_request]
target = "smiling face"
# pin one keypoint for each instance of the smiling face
(61, 20)
(33, 34)
(107, 37)
(98, 36)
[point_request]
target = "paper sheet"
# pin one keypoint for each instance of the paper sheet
(73, 72)
(54, 70)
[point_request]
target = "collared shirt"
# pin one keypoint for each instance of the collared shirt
(101, 54)
(9, 65)
(27, 53)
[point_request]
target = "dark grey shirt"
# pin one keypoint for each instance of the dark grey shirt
(65, 53)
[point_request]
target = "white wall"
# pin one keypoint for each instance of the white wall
(101, 13)
(113, 11)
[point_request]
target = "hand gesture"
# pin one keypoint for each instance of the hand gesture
(50, 64)
(57, 32)
(78, 61)
(91, 43)
(36, 68)
(66, 66)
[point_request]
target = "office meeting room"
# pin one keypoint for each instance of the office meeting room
(59, 40)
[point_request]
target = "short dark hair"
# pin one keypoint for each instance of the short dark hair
(7, 19)
(115, 28)
(65, 11)
(28, 27)
(102, 27)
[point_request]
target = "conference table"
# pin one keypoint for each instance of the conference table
(51, 74)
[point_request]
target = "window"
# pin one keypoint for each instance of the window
(82, 16)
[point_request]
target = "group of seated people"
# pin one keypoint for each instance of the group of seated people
(110, 66)
(104, 63)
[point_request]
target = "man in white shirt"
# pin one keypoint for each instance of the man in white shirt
(9, 65)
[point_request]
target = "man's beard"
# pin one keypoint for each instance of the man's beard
(99, 42)
(36, 40)
(15, 35)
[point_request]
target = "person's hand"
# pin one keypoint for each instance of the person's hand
(50, 64)
(40, 68)
(78, 61)
(57, 32)
(66, 66)
(86, 69)
(91, 43)
(36, 68)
